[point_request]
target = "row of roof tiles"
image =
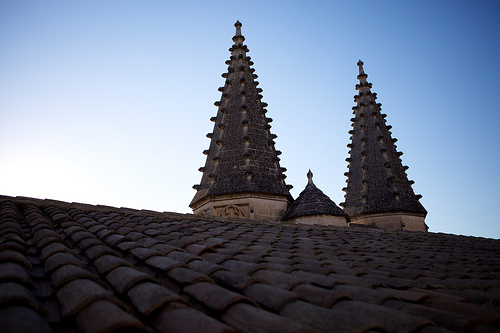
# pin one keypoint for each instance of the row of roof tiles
(73, 267)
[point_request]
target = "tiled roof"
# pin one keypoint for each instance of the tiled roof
(69, 267)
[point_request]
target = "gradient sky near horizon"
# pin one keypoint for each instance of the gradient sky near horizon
(108, 102)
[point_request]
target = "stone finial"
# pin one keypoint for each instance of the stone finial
(238, 28)
(309, 177)
(360, 65)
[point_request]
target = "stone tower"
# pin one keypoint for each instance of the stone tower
(314, 207)
(378, 191)
(242, 176)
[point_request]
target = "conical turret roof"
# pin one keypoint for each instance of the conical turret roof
(242, 156)
(312, 201)
(377, 180)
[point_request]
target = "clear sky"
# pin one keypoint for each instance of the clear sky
(108, 102)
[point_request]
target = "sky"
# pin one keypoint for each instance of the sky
(108, 102)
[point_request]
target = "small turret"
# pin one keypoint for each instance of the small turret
(378, 190)
(314, 207)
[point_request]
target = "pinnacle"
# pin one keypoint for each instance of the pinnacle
(242, 157)
(237, 25)
(374, 161)
(309, 177)
(360, 65)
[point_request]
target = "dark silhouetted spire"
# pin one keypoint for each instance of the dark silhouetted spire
(376, 181)
(312, 201)
(242, 157)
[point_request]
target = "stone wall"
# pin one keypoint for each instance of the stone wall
(393, 221)
(339, 221)
(251, 206)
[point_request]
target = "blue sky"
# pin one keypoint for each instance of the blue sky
(108, 102)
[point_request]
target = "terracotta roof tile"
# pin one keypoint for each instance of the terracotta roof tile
(60, 259)
(77, 294)
(316, 279)
(204, 267)
(481, 313)
(114, 239)
(242, 266)
(12, 242)
(177, 317)
(269, 296)
(43, 233)
(53, 248)
(14, 272)
(18, 318)
(475, 296)
(10, 226)
(123, 278)
(214, 296)
(14, 293)
(15, 256)
(391, 320)
(68, 273)
(320, 296)
(232, 280)
(162, 263)
(142, 253)
(148, 297)
(86, 243)
(105, 316)
(442, 318)
(248, 318)
(97, 251)
(185, 276)
(127, 245)
(278, 279)
(107, 263)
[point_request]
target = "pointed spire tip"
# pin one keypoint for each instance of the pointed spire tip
(360, 65)
(237, 25)
(309, 177)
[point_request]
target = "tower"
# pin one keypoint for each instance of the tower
(378, 191)
(242, 176)
(312, 206)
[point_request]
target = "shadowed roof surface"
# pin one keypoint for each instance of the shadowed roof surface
(74, 267)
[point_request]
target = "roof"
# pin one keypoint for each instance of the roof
(242, 157)
(74, 267)
(377, 180)
(312, 201)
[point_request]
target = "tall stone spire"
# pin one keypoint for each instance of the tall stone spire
(378, 190)
(242, 176)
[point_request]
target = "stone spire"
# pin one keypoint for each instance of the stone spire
(242, 161)
(378, 190)
(314, 207)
